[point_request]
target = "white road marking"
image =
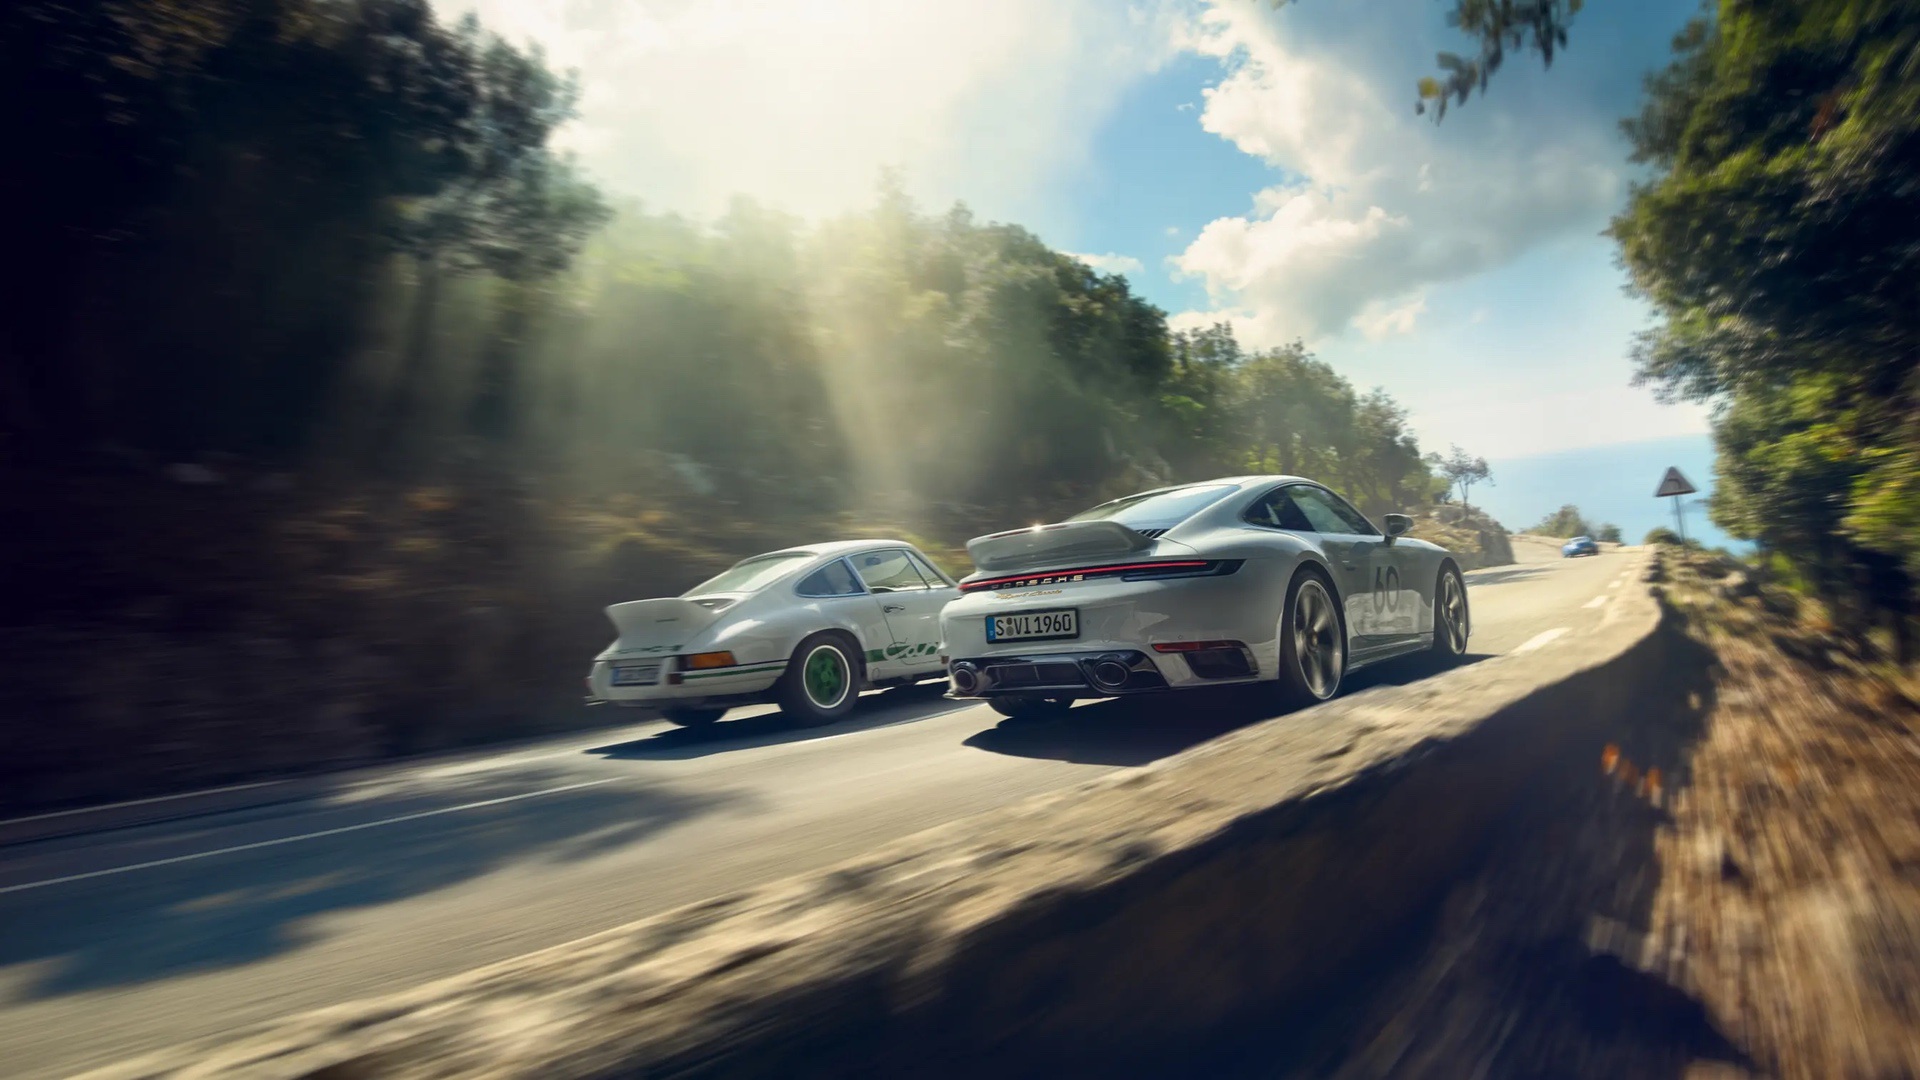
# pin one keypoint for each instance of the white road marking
(1595, 602)
(102, 808)
(303, 836)
(1540, 639)
(1616, 583)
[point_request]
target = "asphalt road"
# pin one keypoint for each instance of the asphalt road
(125, 941)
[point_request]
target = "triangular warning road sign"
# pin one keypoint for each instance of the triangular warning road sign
(1673, 484)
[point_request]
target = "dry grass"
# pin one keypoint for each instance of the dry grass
(1731, 888)
(1476, 538)
(1791, 880)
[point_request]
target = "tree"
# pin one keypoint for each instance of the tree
(1609, 533)
(1462, 470)
(517, 211)
(1779, 240)
(216, 193)
(1564, 522)
(1495, 27)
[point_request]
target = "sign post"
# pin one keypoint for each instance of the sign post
(1674, 486)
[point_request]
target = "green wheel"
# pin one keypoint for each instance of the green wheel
(822, 681)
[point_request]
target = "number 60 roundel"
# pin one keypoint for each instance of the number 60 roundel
(1386, 589)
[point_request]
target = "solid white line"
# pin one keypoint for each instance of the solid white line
(304, 836)
(1595, 602)
(1540, 639)
(104, 807)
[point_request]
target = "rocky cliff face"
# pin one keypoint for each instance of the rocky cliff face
(1477, 539)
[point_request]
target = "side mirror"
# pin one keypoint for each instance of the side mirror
(1397, 526)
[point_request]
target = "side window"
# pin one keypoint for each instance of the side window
(935, 578)
(833, 579)
(1325, 514)
(1356, 520)
(889, 571)
(1276, 510)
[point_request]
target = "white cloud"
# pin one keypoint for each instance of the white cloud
(1379, 204)
(1379, 320)
(1111, 263)
(802, 102)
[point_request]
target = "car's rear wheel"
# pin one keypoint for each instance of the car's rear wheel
(693, 717)
(1029, 706)
(822, 681)
(1313, 641)
(1452, 620)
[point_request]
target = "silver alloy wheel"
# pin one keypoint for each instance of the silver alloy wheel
(1317, 647)
(1453, 612)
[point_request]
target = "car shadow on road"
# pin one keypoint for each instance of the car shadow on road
(885, 708)
(229, 910)
(1141, 730)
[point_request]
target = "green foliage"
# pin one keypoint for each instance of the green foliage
(1462, 470)
(1609, 534)
(928, 362)
(1780, 241)
(337, 228)
(217, 192)
(1566, 522)
(1496, 27)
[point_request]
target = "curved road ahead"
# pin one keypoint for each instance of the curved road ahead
(124, 941)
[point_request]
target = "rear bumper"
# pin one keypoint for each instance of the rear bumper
(1137, 621)
(1097, 672)
(688, 689)
(1078, 673)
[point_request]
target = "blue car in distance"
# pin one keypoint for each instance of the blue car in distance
(1579, 545)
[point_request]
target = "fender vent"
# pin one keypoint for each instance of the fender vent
(1151, 533)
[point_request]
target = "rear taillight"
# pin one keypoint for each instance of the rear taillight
(1147, 570)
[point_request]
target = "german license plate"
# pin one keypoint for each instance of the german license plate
(1034, 625)
(644, 674)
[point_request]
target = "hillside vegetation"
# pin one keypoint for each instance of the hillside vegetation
(1779, 242)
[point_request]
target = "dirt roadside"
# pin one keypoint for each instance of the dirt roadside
(1732, 890)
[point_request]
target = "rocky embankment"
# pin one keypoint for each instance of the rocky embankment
(1476, 538)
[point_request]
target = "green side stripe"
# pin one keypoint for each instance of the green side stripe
(743, 669)
(895, 652)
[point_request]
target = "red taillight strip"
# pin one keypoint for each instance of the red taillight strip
(1083, 571)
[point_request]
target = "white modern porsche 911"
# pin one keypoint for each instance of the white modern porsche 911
(808, 628)
(1241, 580)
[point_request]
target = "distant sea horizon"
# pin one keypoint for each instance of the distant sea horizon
(1611, 484)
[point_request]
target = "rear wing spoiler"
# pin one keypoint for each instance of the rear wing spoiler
(1050, 545)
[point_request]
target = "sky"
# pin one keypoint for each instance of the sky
(1236, 161)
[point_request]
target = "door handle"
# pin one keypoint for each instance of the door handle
(891, 608)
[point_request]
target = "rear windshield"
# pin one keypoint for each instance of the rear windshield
(752, 574)
(1157, 508)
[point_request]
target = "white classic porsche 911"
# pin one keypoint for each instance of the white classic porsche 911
(808, 627)
(1240, 580)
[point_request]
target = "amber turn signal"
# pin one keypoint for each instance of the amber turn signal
(699, 661)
